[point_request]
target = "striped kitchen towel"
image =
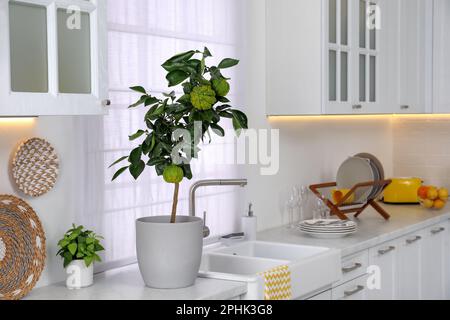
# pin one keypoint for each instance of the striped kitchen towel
(277, 283)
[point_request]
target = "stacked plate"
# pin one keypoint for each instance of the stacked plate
(362, 167)
(327, 228)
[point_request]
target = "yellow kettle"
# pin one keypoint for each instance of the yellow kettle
(402, 190)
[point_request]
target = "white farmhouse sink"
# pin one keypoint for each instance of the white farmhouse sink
(312, 268)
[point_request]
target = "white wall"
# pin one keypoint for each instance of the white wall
(311, 150)
(57, 208)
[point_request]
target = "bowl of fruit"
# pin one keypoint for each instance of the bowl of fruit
(432, 197)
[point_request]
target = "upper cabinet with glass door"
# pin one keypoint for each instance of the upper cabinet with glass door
(53, 57)
(355, 56)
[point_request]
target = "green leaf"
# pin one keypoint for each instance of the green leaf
(206, 53)
(138, 103)
(184, 56)
(72, 248)
(79, 255)
(98, 247)
(136, 135)
(89, 240)
(176, 77)
(138, 89)
(150, 101)
(187, 88)
(155, 161)
(97, 257)
(63, 243)
(185, 99)
(67, 258)
(88, 260)
(218, 129)
(187, 171)
(135, 155)
(239, 119)
(137, 169)
(227, 63)
(119, 172)
(223, 99)
(118, 161)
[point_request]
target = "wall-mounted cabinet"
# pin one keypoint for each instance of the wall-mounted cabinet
(357, 57)
(53, 57)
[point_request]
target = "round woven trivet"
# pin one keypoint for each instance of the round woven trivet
(22, 248)
(35, 167)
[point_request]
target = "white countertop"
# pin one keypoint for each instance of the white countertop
(126, 283)
(372, 228)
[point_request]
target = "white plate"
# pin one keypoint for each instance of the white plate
(328, 230)
(328, 223)
(352, 171)
(379, 168)
(327, 235)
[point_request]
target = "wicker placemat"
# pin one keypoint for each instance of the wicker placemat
(35, 167)
(22, 248)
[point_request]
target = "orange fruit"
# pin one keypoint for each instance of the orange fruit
(443, 194)
(439, 204)
(432, 193)
(422, 192)
(427, 203)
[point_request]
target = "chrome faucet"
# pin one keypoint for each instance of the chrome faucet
(208, 183)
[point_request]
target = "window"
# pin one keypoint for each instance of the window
(142, 35)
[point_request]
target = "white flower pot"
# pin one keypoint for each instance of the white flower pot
(78, 275)
(169, 254)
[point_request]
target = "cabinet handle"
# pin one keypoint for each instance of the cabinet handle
(106, 102)
(436, 231)
(352, 268)
(404, 107)
(387, 250)
(357, 107)
(354, 291)
(411, 241)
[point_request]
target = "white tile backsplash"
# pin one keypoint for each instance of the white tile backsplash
(422, 149)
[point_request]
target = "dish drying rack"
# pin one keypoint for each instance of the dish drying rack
(339, 209)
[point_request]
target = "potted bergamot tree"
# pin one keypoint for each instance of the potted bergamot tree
(169, 247)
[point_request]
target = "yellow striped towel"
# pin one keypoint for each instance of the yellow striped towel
(277, 283)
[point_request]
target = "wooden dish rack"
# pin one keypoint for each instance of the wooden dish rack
(340, 210)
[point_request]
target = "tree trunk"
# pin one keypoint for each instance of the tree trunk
(175, 203)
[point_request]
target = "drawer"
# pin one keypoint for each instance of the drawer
(322, 296)
(355, 289)
(354, 266)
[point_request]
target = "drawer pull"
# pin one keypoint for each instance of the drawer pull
(106, 102)
(352, 268)
(404, 107)
(438, 230)
(357, 107)
(387, 250)
(354, 291)
(411, 241)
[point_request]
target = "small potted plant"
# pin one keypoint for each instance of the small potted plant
(79, 249)
(169, 247)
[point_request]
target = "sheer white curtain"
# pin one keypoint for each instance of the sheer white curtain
(142, 35)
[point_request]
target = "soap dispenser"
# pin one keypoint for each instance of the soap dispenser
(249, 225)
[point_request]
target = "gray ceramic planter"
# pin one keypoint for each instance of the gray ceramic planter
(169, 254)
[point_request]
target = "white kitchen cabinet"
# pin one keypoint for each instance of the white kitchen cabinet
(433, 272)
(447, 261)
(385, 258)
(53, 57)
(409, 266)
(414, 50)
(441, 56)
(353, 290)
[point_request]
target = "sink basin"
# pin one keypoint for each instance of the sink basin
(269, 250)
(312, 268)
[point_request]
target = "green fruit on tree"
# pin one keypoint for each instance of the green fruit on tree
(221, 86)
(203, 97)
(173, 174)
